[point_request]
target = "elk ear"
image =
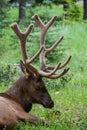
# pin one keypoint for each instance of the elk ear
(24, 69)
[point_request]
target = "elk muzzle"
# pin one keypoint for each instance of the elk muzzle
(48, 103)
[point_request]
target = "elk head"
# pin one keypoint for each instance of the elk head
(34, 87)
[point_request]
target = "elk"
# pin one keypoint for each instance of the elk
(16, 102)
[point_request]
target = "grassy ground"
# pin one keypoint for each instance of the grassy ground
(70, 110)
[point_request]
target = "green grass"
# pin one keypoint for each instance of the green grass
(69, 113)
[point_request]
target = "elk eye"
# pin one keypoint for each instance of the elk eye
(38, 87)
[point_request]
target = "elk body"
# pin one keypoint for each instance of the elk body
(17, 101)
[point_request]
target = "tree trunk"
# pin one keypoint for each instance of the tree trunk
(22, 12)
(65, 8)
(85, 9)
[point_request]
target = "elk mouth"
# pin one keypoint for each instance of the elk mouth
(49, 104)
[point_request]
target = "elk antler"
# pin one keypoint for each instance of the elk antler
(46, 71)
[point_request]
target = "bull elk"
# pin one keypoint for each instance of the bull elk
(16, 102)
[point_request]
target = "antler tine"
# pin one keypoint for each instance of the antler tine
(35, 56)
(59, 75)
(22, 36)
(41, 24)
(54, 45)
(44, 74)
(66, 62)
(48, 68)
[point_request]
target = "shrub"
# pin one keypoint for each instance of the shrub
(8, 74)
(73, 11)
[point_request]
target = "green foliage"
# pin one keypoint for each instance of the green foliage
(3, 12)
(47, 2)
(42, 10)
(8, 74)
(44, 2)
(3, 8)
(71, 1)
(74, 12)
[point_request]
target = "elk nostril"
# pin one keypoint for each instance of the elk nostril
(51, 103)
(48, 104)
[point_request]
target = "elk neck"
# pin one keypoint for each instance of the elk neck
(19, 93)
